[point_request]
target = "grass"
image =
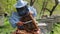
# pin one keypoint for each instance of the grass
(6, 29)
(57, 28)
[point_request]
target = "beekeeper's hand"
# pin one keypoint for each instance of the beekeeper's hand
(20, 23)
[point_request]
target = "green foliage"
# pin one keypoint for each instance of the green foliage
(56, 28)
(8, 5)
(6, 29)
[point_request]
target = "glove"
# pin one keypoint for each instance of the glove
(20, 23)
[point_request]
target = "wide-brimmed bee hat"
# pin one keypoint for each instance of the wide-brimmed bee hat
(59, 1)
(20, 3)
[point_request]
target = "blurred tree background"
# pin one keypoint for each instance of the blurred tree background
(8, 6)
